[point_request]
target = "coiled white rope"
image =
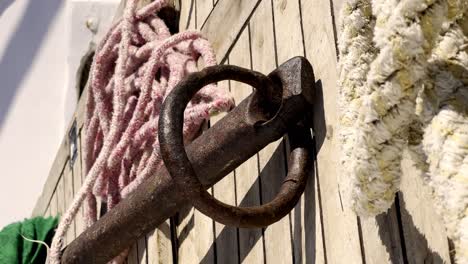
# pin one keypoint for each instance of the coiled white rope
(404, 85)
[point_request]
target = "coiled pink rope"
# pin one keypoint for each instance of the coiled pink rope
(135, 66)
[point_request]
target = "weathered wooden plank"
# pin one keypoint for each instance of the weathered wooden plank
(247, 180)
(225, 191)
(336, 8)
(80, 112)
(251, 244)
(60, 196)
(306, 218)
(262, 38)
(80, 224)
(132, 257)
(69, 195)
(227, 247)
(185, 235)
(271, 159)
(288, 29)
(54, 205)
(52, 179)
(60, 159)
(187, 14)
(47, 212)
(51, 208)
(152, 247)
(142, 251)
(67, 179)
(195, 237)
(226, 22)
(278, 243)
(423, 230)
(159, 245)
(381, 238)
(307, 221)
(339, 222)
(60, 193)
(316, 250)
(195, 231)
(204, 8)
(59, 163)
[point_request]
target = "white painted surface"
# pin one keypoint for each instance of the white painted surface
(41, 45)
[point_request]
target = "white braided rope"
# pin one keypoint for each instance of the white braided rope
(403, 84)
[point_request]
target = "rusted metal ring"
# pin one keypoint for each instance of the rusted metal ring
(180, 168)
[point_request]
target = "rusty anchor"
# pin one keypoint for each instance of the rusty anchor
(281, 103)
(179, 166)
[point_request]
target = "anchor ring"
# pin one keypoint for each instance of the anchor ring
(180, 168)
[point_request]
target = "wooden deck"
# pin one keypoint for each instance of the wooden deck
(261, 34)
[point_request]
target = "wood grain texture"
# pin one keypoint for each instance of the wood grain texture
(423, 229)
(225, 190)
(159, 245)
(381, 238)
(142, 251)
(251, 244)
(47, 212)
(226, 22)
(60, 158)
(77, 182)
(68, 198)
(60, 193)
(227, 243)
(54, 205)
(132, 257)
(196, 231)
(340, 228)
(337, 5)
(313, 244)
(271, 160)
(305, 218)
(204, 8)
(52, 179)
(80, 112)
(195, 237)
(187, 14)
(306, 222)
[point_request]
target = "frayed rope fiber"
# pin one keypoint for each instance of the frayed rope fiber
(135, 66)
(403, 68)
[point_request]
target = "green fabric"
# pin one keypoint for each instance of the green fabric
(15, 249)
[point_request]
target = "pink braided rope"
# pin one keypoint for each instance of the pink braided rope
(135, 66)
